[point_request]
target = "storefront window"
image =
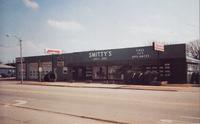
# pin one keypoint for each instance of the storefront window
(99, 72)
(114, 73)
(89, 72)
(191, 68)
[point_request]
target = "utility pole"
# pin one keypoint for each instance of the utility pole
(21, 61)
(21, 58)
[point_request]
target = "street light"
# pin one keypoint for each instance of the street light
(20, 42)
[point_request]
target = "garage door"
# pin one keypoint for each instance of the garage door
(46, 68)
(33, 71)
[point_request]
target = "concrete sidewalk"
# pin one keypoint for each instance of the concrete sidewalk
(170, 87)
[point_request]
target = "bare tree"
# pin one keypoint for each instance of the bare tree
(193, 49)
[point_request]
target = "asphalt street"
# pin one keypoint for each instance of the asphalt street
(30, 104)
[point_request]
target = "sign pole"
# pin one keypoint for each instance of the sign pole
(52, 52)
(52, 63)
(107, 73)
(158, 64)
(40, 70)
(40, 76)
(158, 47)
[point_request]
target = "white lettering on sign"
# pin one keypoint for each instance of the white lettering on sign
(140, 53)
(100, 54)
(140, 56)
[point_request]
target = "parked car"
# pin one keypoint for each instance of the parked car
(4, 75)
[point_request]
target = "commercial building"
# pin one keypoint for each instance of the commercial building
(7, 71)
(119, 65)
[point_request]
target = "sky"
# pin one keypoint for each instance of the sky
(82, 25)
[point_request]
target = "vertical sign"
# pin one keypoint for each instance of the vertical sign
(157, 46)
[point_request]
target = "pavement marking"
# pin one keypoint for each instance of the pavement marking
(68, 114)
(97, 97)
(166, 121)
(7, 105)
(19, 102)
(190, 117)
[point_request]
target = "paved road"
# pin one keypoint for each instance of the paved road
(28, 104)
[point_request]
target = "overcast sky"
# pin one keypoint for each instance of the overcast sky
(80, 25)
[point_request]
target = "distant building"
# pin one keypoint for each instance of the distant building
(7, 71)
(115, 65)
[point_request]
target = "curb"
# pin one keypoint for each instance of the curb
(120, 87)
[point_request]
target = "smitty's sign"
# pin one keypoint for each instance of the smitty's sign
(100, 55)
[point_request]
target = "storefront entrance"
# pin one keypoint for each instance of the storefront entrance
(78, 73)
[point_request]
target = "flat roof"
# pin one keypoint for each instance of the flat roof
(6, 66)
(190, 59)
(86, 51)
